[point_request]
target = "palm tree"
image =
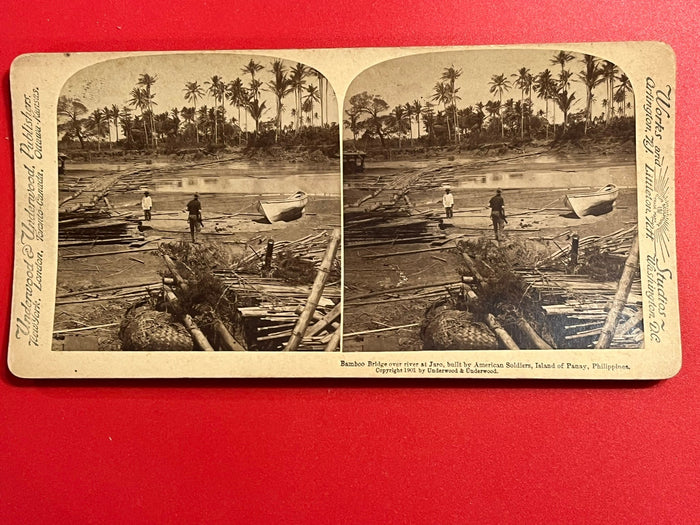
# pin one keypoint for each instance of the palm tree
(176, 120)
(188, 114)
(98, 124)
(399, 117)
(408, 109)
(108, 117)
(235, 92)
(312, 95)
(71, 111)
(126, 124)
(417, 111)
(609, 73)
(256, 110)
(353, 124)
(565, 103)
(623, 88)
(320, 78)
(280, 86)
(147, 81)
(217, 90)
(139, 100)
(524, 81)
(114, 113)
(450, 74)
(500, 84)
(442, 94)
(193, 92)
(297, 80)
(590, 77)
(561, 58)
(252, 68)
(545, 89)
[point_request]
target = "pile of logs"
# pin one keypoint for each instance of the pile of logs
(270, 314)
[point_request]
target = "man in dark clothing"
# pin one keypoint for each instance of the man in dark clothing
(498, 213)
(194, 209)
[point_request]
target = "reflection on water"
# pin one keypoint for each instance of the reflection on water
(547, 177)
(311, 183)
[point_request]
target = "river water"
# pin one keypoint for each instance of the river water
(252, 179)
(236, 177)
(542, 171)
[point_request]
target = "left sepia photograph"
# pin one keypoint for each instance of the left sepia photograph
(199, 206)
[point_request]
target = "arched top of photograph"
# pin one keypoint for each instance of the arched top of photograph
(473, 98)
(179, 103)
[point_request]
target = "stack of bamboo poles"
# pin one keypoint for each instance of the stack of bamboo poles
(273, 315)
(581, 305)
(616, 243)
(310, 248)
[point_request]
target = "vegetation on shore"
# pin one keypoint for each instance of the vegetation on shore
(440, 120)
(249, 122)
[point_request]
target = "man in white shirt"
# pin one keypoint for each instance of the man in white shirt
(448, 201)
(146, 205)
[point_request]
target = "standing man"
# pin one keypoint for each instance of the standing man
(194, 209)
(448, 202)
(498, 213)
(146, 205)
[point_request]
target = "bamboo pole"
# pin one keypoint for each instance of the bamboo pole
(632, 322)
(480, 281)
(501, 333)
(173, 270)
(403, 289)
(191, 326)
(325, 321)
(116, 252)
(357, 334)
(316, 292)
(84, 328)
(108, 289)
(532, 335)
(408, 252)
(226, 338)
(623, 290)
(334, 342)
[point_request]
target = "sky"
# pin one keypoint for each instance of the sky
(110, 82)
(412, 78)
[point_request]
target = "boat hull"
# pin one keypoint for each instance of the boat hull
(596, 203)
(284, 210)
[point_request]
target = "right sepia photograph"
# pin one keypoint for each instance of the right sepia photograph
(490, 202)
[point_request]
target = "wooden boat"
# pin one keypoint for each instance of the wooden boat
(593, 203)
(287, 209)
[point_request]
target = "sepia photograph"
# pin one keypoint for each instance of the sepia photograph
(490, 202)
(199, 206)
(371, 212)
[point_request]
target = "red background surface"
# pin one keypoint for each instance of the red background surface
(328, 451)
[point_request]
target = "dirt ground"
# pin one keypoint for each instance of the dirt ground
(248, 231)
(527, 221)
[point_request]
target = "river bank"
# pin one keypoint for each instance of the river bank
(232, 227)
(534, 185)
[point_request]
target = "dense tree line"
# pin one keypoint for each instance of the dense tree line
(217, 113)
(440, 119)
